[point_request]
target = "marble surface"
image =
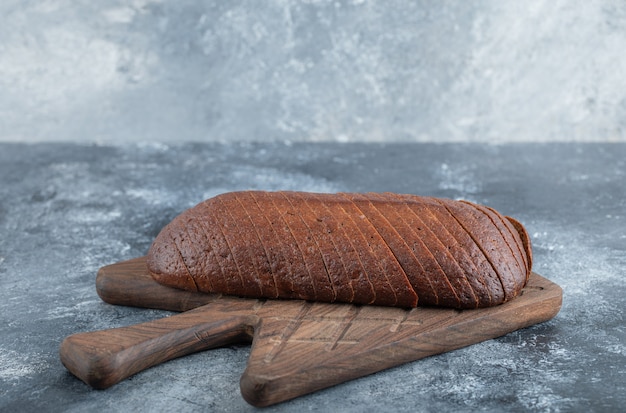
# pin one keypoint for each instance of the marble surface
(314, 70)
(68, 209)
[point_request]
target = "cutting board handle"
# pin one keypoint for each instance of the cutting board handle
(104, 358)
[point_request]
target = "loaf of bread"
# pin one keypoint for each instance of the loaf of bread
(380, 249)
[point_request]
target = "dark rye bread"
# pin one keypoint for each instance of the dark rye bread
(373, 248)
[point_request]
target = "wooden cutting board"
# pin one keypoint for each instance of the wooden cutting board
(297, 347)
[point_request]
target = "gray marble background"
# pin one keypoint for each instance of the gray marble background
(166, 71)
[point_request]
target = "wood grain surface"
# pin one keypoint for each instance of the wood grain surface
(297, 347)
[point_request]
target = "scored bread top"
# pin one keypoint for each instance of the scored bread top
(373, 248)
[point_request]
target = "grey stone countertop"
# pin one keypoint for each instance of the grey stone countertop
(66, 210)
